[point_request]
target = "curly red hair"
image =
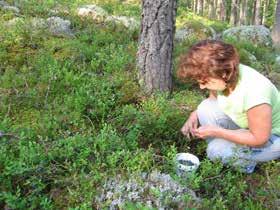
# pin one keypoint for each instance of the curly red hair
(210, 58)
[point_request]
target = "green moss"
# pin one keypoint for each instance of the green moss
(77, 115)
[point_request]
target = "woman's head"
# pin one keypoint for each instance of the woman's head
(211, 62)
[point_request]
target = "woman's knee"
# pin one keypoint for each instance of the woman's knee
(220, 149)
(269, 152)
(206, 106)
(208, 112)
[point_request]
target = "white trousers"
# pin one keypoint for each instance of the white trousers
(243, 157)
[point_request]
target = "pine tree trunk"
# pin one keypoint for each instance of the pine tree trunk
(264, 12)
(211, 10)
(276, 28)
(234, 12)
(252, 19)
(192, 5)
(195, 6)
(217, 9)
(221, 11)
(257, 17)
(154, 59)
(205, 7)
(215, 3)
(200, 7)
(243, 12)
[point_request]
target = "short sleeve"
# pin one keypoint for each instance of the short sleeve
(259, 94)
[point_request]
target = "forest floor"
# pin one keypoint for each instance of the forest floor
(75, 117)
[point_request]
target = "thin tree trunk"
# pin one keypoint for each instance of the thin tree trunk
(276, 28)
(257, 17)
(192, 5)
(215, 3)
(217, 9)
(195, 6)
(205, 8)
(252, 19)
(243, 12)
(200, 7)
(154, 56)
(265, 5)
(211, 10)
(234, 12)
(221, 11)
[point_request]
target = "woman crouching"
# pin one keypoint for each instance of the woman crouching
(241, 118)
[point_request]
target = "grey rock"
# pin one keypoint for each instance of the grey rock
(59, 27)
(33, 24)
(3, 3)
(182, 34)
(11, 8)
(128, 22)
(153, 190)
(258, 35)
(38, 23)
(55, 25)
(187, 31)
(93, 11)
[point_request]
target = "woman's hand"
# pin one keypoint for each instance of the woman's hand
(206, 131)
(190, 125)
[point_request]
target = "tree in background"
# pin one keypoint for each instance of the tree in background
(221, 10)
(236, 12)
(211, 13)
(264, 11)
(243, 13)
(155, 50)
(276, 28)
(200, 7)
(195, 6)
(257, 13)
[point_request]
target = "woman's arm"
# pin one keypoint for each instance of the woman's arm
(259, 122)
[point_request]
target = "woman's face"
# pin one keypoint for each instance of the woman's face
(213, 84)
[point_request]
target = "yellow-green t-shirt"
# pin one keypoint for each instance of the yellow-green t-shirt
(252, 89)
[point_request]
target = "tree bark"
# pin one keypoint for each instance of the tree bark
(155, 50)
(257, 17)
(195, 6)
(211, 10)
(264, 12)
(192, 4)
(205, 8)
(243, 12)
(215, 3)
(200, 7)
(276, 28)
(221, 10)
(234, 12)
